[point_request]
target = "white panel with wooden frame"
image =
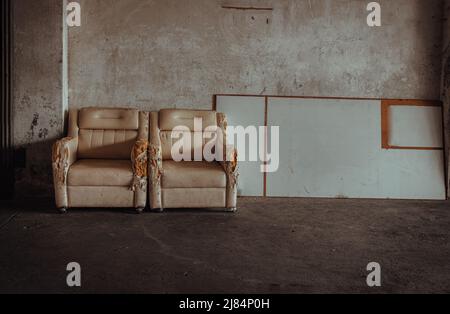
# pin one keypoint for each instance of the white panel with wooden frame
(355, 148)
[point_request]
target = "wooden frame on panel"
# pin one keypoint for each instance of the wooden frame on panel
(385, 119)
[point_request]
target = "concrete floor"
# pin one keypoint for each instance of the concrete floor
(269, 246)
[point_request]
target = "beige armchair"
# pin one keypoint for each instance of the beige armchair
(189, 184)
(103, 161)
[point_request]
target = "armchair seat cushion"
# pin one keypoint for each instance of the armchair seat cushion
(193, 174)
(100, 172)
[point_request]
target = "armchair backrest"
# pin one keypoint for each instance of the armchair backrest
(105, 133)
(171, 118)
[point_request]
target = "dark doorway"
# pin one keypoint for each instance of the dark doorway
(6, 128)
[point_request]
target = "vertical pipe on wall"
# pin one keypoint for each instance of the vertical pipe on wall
(6, 136)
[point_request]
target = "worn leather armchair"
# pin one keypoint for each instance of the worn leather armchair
(189, 184)
(103, 161)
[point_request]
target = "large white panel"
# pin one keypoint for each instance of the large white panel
(245, 111)
(414, 126)
(332, 148)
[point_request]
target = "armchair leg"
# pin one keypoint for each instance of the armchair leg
(157, 210)
(62, 210)
(139, 210)
(231, 209)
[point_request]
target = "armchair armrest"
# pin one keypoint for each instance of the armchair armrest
(155, 156)
(230, 164)
(139, 162)
(64, 154)
(155, 149)
(156, 171)
(155, 163)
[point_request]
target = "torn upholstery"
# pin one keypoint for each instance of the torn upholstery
(64, 154)
(139, 161)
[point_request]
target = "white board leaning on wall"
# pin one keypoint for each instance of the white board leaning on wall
(333, 148)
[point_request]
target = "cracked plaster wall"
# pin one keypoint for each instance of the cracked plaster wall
(152, 54)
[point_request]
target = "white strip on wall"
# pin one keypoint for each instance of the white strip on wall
(65, 66)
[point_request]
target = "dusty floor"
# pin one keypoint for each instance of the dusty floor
(269, 246)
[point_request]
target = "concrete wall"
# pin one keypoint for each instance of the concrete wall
(155, 53)
(37, 95)
(165, 53)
